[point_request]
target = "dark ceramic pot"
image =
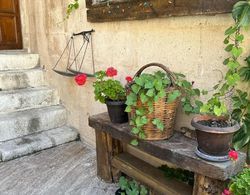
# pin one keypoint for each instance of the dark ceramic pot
(213, 141)
(116, 110)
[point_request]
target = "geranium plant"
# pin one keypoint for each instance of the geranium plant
(107, 88)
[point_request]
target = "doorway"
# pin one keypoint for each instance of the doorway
(10, 25)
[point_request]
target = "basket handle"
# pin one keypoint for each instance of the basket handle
(166, 69)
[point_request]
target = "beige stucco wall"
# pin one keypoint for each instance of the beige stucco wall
(191, 45)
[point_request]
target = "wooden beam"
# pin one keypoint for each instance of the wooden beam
(149, 175)
(207, 186)
(140, 9)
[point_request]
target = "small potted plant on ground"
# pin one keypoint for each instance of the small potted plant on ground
(130, 187)
(240, 184)
(229, 107)
(111, 92)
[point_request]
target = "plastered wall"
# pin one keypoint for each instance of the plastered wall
(191, 45)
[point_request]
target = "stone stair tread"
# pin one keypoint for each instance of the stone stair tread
(20, 99)
(19, 79)
(35, 142)
(21, 123)
(16, 60)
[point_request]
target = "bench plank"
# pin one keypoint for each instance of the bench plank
(178, 150)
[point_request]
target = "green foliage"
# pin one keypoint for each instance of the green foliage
(107, 89)
(71, 7)
(149, 88)
(131, 187)
(178, 174)
(240, 184)
(237, 73)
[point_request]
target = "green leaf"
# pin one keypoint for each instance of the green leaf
(143, 98)
(139, 81)
(158, 85)
(226, 40)
(173, 96)
(128, 109)
(229, 47)
(239, 38)
(232, 65)
(233, 79)
(236, 52)
(205, 108)
(158, 123)
(149, 85)
(150, 93)
(135, 88)
(142, 135)
(162, 93)
(144, 120)
(135, 130)
(134, 142)
(204, 92)
(230, 30)
(217, 111)
(131, 99)
(225, 62)
(139, 112)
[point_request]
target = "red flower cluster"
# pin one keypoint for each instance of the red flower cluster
(226, 192)
(81, 79)
(233, 155)
(129, 79)
(111, 72)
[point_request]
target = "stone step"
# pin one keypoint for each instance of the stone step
(38, 141)
(27, 98)
(18, 60)
(21, 123)
(18, 79)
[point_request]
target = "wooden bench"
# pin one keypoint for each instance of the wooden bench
(115, 155)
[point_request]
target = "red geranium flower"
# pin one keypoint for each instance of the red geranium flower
(129, 79)
(226, 192)
(110, 72)
(233, 155)
(80, 79)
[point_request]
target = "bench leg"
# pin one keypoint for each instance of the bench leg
(207, 186)
(106, 148)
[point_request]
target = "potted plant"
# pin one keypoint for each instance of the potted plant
(111, 92)
(130, 187)
(228, 110)
(240, 184)
(153, 99)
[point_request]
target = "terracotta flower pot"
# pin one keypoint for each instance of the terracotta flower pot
(214, 141)
(116, 110)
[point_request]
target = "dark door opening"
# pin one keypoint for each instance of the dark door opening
(10, 25)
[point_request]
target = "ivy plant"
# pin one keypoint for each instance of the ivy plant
(131, 187)
(240, 185)
(72, 7)
(149, 88)
(236, 74)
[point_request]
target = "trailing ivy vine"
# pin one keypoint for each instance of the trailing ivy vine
(71, 7)
(237, 73)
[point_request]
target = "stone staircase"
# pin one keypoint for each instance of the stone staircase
(31, 117)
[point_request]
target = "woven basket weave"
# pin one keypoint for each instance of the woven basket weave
(163, 110)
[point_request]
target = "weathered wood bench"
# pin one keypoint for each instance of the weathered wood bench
(115, 155)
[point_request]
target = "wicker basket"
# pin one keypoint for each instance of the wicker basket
(164, 111)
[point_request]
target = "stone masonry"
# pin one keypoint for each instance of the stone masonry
(31, 116)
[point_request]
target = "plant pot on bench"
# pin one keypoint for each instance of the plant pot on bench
(214, 137)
